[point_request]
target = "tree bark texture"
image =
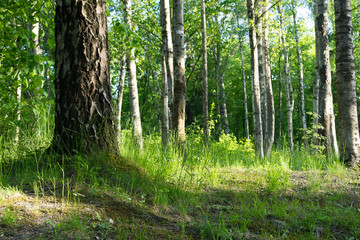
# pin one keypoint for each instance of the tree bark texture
(120, 97)
(168, 51)
(18, 112)
(205, 102)
(280, 99)
(288, 86)
(346, 88)
(301, 75)
(270, 109)
(165, 91)
(179, 101)
(316, 85)
(133, 89)
(325, 93)
(258, 134)
(244, 88)
(259, 39)
(84, 116)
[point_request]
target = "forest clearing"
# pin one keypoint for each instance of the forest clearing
(173, 119)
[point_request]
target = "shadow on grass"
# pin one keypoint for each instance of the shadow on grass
(111, 197)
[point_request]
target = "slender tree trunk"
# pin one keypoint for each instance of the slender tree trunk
(259, 148)
(205, 76)
(316, 86)
(120, 97)
(325, 94)
(217, 59)
(84, 116)
(259, 39)
(243, 78)
(280, 98)
(288, 86)
(133, 89)
(301, 76)
(346, 88)
(18, 112)
(165, 91)
(270, 109)
(179, 101)
(223, 108)
(169, 53)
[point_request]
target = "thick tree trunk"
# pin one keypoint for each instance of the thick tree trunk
(165, 91)
(259, 148)
(84, 116)
(120, 97)
(179, 101)
(133, 90)
(325, 94)
(288, 86)
(346, 88)
(270, 109)
(301, 76)
(205, 103)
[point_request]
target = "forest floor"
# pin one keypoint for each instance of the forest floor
(244, 204)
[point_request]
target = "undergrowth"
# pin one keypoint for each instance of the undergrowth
(222, 193)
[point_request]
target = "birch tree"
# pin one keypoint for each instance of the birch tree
(288, 85)
(325, 93)
(120, 97)
(179, 101)
(270, 109)
(258, 134)
(243, 79)
(346, 88)
(205, 76)
(165, 21)
(133, 89)
(300, 73)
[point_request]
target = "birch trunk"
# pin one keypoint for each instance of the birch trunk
(270, 109)
(280, 99)
(169, 53)
(165, 91)
(244, 89)
(205, 76)
(120, 98)
(325, 94)
(259, 148)
(259, 39)
(179, 101)
(133, 90)
(301, 76)
(18, 113)
(243, 78)
(346, 87)
(316, 86)
(288, 86)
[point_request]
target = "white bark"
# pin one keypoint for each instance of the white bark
(259, 147)
(205, 76)
(288, 86)
(133, 90)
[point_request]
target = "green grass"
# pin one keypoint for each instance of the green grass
(224, 193)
